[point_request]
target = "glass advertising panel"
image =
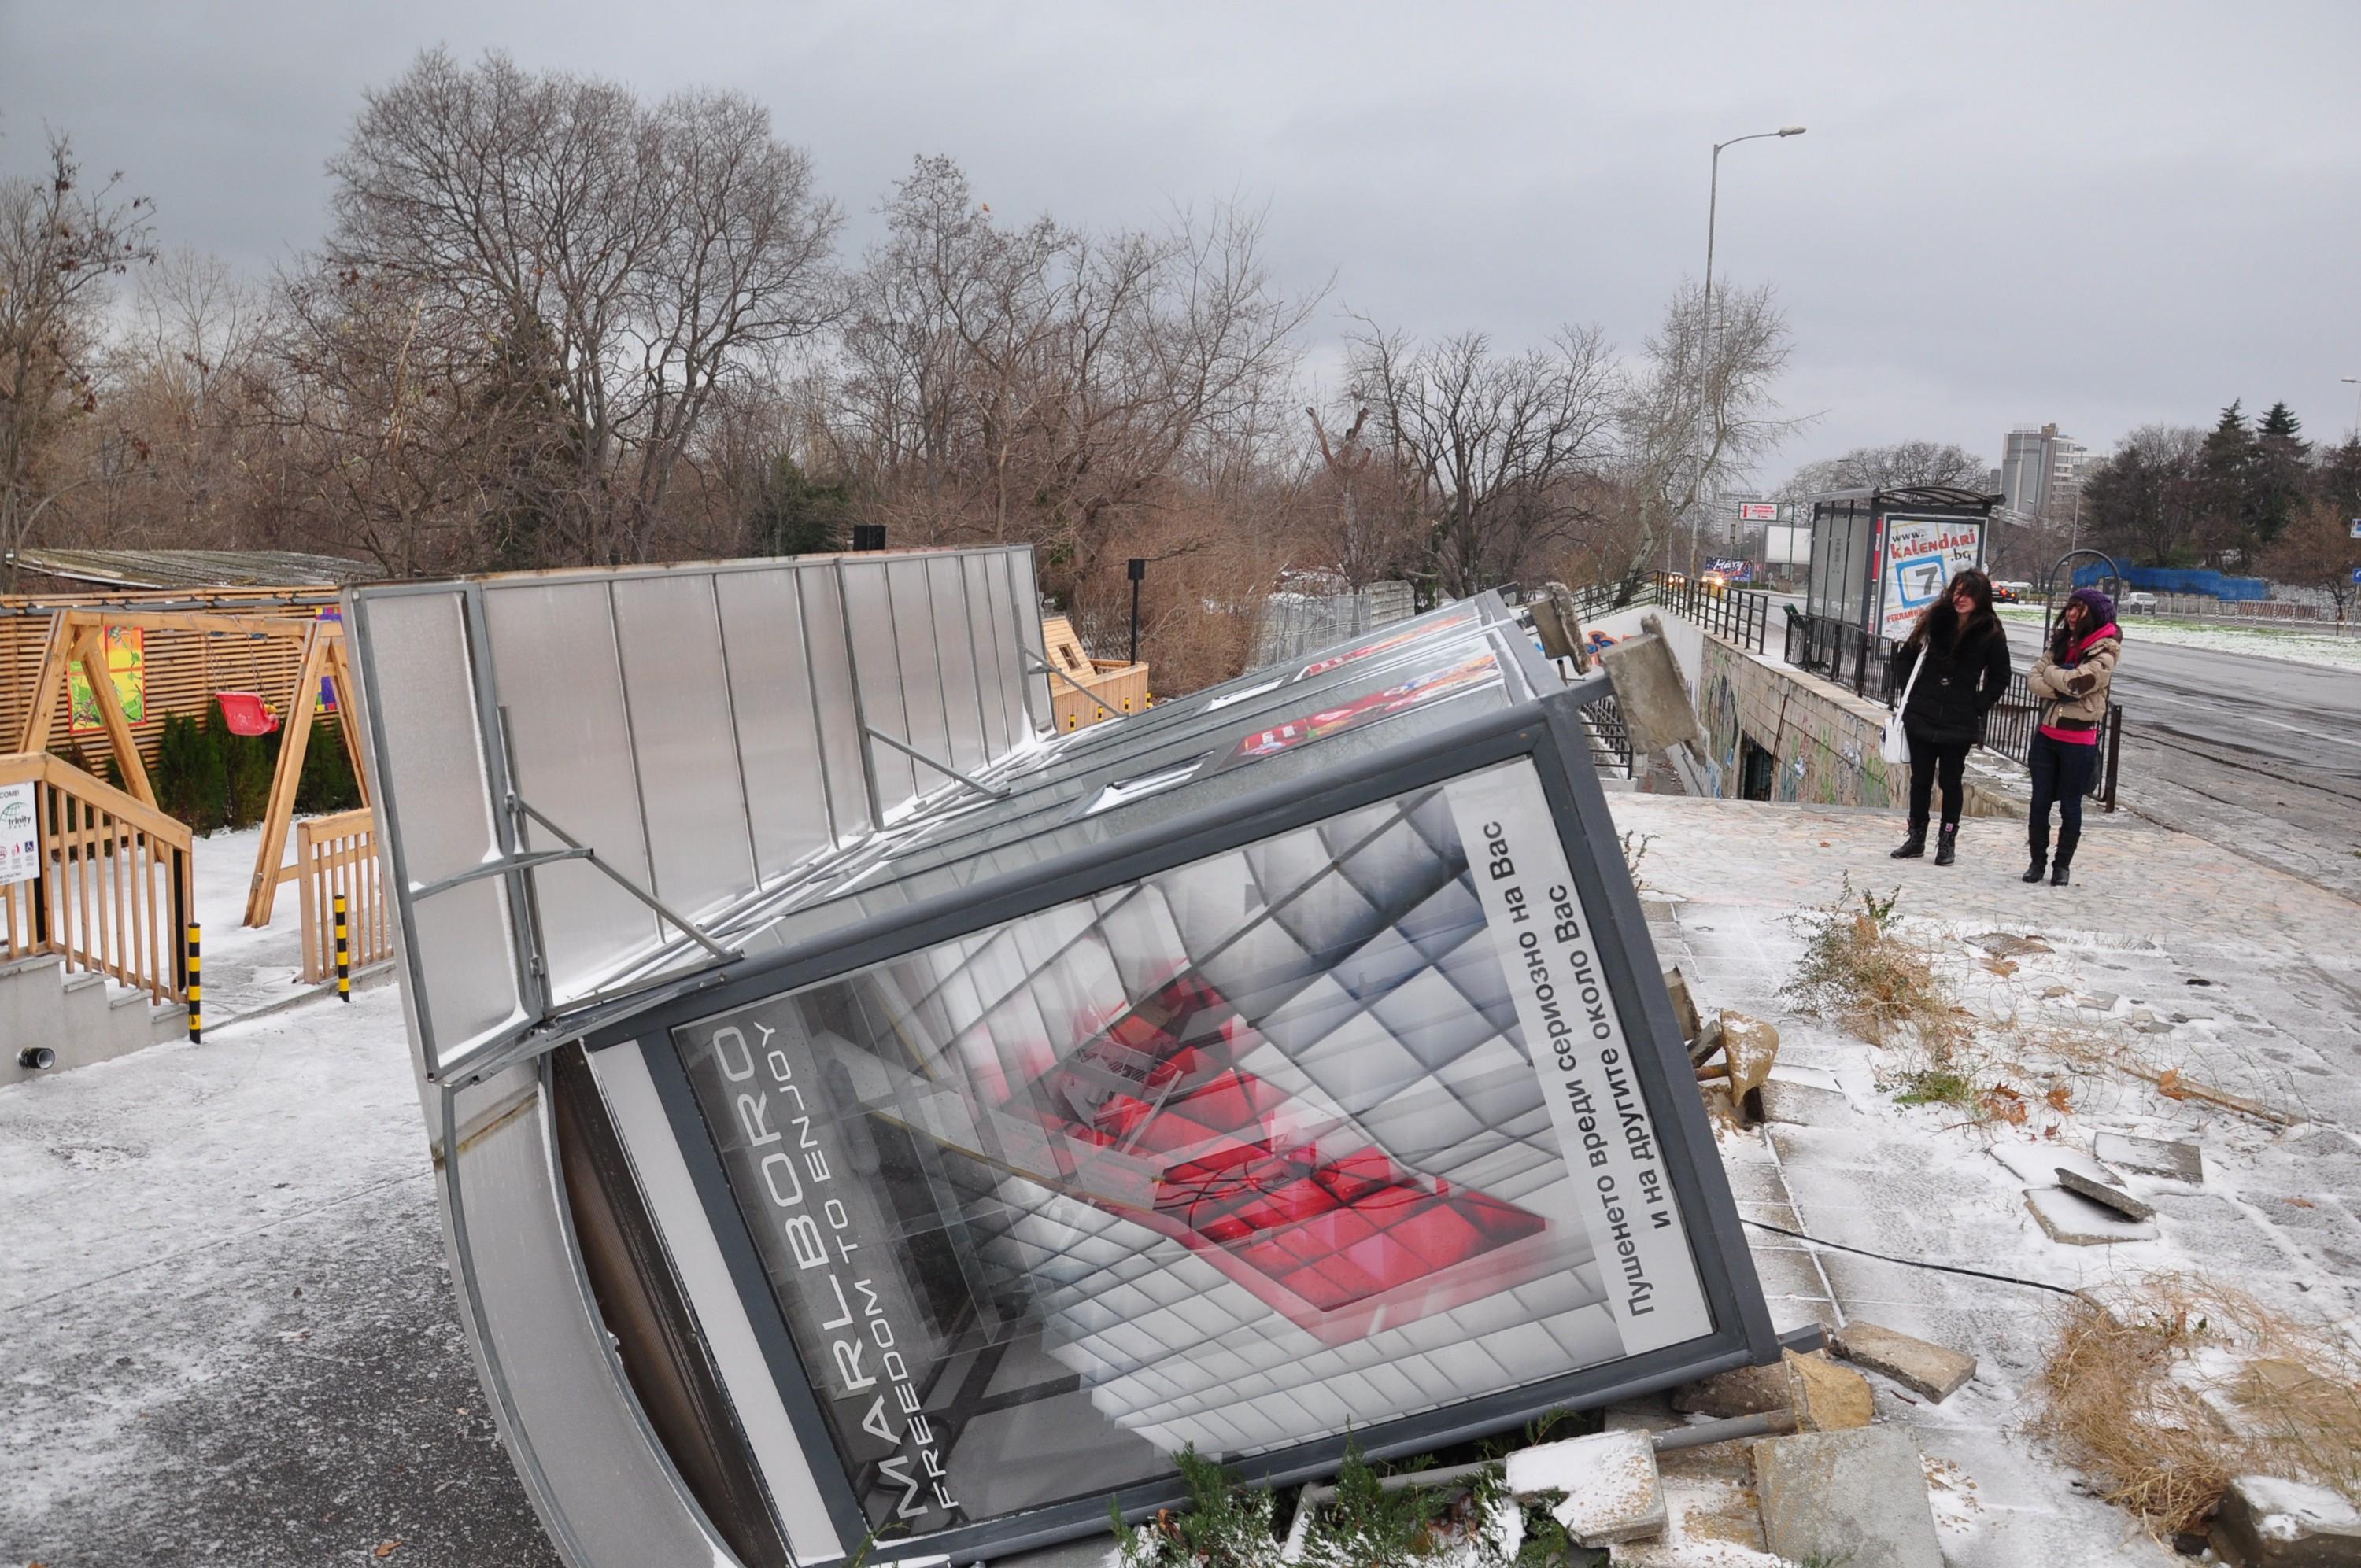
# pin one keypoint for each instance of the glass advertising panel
(1328, 1130)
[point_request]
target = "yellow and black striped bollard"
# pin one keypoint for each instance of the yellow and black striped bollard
(196, 988)
(344, 955)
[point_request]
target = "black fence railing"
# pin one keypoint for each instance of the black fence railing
(1610, 738)
(1742, 617)
(1728, 613)
(1864, 665)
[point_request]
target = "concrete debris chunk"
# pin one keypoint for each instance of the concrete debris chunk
(1653, 696)
(2072, 1220)
(2265, 1522)
(1795, 1104)
(2115, 1198)
(1686, 1012)
(1847, 1496)
(2174, 1160)
(1612, 1491)
(1826, 1396)
(1751, 1046)
(1930, 1371)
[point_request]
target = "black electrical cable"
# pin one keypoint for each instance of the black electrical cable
(1915, 1262)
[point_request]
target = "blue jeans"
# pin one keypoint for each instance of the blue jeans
(2062, 772)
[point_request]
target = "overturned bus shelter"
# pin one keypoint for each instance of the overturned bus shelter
(870, 1120)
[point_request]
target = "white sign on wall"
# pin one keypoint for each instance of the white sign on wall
(20, 842)
(1922, 555)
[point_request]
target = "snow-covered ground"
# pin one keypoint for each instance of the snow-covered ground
(2326, 650)
(246, 968)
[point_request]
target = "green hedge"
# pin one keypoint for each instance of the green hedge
(210, 778)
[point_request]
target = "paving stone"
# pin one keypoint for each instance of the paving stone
(1828, 1397)
(1800, 1104)
(1930, 1371)
(2073, 1219)
(1847, 1496)
(1612, 1492)
(2270, 1523)
(2175, 1161)
(2036, 1164)
(2115, 1198)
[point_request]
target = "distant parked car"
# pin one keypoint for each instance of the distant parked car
(2140, 604)
(2003, 593)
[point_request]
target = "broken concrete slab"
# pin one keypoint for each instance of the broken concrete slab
(2036, 1164)
(1750, 1046)
(2072, 1220)
(1612, 1492)
(1847, 1496)
(2173, 1160)
(1653, 696)
(2009, 945)
(2115, 1198)
(2265, 1522)
(1932, 1372)
(1797, 1104)
(1826, 1396)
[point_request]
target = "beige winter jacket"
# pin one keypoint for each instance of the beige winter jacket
(2076, 694)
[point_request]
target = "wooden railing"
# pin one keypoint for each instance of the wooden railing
(111, 891)
(1110, 689)
(337, 854)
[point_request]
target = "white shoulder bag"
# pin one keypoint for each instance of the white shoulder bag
(1896, 747)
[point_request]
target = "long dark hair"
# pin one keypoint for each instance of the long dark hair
(2098, 610)
(1943, 629)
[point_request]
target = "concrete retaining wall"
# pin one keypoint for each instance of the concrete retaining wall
(1822, 739)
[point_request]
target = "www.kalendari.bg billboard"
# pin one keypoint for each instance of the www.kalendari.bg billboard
(1319, 1133)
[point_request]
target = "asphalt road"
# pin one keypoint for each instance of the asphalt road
(2301, 720)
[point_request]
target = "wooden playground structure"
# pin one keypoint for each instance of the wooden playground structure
(113, 888)
(1093, 689)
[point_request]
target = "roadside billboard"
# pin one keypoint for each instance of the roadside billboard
(1922, 555)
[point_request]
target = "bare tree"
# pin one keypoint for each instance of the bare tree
(1494, 442)
(2318, 551)
(1883, 467)
(62, 244)
(1033, 381)
(1696, 416)
(558, 241)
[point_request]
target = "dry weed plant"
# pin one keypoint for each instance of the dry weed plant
(1862, 970)
(2164, 1386)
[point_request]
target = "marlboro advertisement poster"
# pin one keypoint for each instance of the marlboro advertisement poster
(1460, 674)
(1335, 1128)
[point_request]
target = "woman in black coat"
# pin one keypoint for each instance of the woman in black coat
(1966, 672)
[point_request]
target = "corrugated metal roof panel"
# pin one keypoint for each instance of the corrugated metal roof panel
(194, 568)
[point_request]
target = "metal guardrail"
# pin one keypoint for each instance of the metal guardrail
(1610, 738)
(1863, 664)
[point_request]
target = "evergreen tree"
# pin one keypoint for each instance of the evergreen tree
(2231, 509)
(2282, 465)
(793, 515)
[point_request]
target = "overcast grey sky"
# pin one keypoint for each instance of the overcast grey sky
(2100, 214)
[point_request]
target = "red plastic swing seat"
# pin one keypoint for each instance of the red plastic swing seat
(245, 713)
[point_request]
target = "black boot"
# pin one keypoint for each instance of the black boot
(2034, 872)
(1946, 844)
(2058, 874)
(1914, 846)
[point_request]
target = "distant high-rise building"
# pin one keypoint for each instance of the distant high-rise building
(2038, 465)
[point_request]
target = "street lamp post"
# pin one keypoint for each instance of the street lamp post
(1705, 323)
(2354, 381)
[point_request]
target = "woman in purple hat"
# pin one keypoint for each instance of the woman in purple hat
(2071, 677)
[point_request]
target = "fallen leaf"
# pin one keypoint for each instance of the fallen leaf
(2001, 966)
(2167, 1083)
(2303, 1202)
(386, 1548)
(2060, 1097)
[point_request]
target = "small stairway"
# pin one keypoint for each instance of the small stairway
(81, 1017)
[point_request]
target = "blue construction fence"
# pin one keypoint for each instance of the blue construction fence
(2177, 580)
